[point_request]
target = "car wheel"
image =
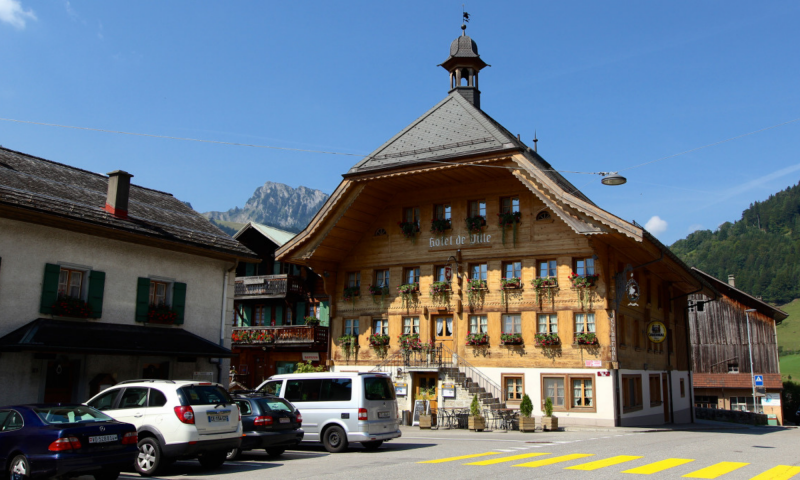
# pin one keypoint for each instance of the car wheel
(372, 445)
(233, 454)
(107, 475)
(149, 458)
(335, 440)
(212, 460)
(20, 468)
(275, 452)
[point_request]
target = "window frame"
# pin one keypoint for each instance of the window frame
(655, 377)
(82, 285)
(639, 402)
(446, 211)
(585, 323)
(514, 323)
(480, 211)
(509, 208)
(568, 393)
(353, 279)
(438, 273)
(412, 323)
(351, 325)
(586, 261)
(503, 382)
(385, 273)
(548, 261)
(549, 324)
(380, 326)
(516, 267)
(481, 323)
(411, 214)
(483, 269)
(593, 398)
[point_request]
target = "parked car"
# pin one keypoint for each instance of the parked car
(43, 441)
(339, 408)
(175, 419)
(269, 422)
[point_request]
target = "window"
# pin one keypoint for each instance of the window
(382, 278)
(441, 211)
(655, 390)
(477, 271)
(582, 394)
(631, 392)
(70, 283)
(706, 401)
(584, 323)
(303, 390)
(545, 215)
(411, 214)
(106, 400)
(742, 404)
(733, 368)
(444, 326)
(259, 315)
(351, 327)
(380, 326)
(378, 388)
(477, 208)
(548, 323)
(554, 389)
(353, 279)
(133, 398)
(158, 293)
(478, 324)
(584, 266)
(547, 268)
(157, 398)
(12, 420)
(411, 275)
(512, 269)
(512, 323)
(509, 204)
(513, 387)
(155, 292)
(410, 325)
(438, 274)
(244, 407)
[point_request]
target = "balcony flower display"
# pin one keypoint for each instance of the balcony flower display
(409, 229)
(312, 321)
(440, 291)
(407, 291)
(542, 285)
(587, 281)
(348, 344)
(477, 339)
(350, 293)
(511, 283)
(252, 336)
(586, 339)
(161, 313)
(379, 291)
(71, 307)
(440, 225)
(512, 219)
(378, 340)
(410, 342)
(474, 289)
(475, 224)
(547, 339)
(511, 339)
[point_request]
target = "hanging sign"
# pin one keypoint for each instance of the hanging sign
(656, 332)
(632, 290)
(448, 273)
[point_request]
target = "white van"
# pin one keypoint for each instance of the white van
(339, 408)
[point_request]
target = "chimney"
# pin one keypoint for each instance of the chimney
(731, 281)
(119, 185)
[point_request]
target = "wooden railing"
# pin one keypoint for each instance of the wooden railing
(267, 286)
(288, 335)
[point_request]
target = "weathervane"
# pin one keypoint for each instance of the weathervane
(464, 19)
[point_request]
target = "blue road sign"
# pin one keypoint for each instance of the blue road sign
(759, 380)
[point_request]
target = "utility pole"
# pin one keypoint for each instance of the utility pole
(750, 347)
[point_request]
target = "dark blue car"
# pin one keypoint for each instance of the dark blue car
(64, 440)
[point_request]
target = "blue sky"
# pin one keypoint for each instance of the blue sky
(606, 86)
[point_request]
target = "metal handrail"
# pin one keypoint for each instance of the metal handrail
(488, 385)
(431, 358)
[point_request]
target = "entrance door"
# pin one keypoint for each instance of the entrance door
(665, 395)
(59, 383)
(427, 383)
(443, 331)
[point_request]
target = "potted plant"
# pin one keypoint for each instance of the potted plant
(409, 229)
(511, 339)
(407, 291)
(476, 421)
(427, 419)
(477, 339)
(439, 226)
(409, 342)
(586, 339)
(77, 308)
(475, 224)
(440, 292)
(510, 218)
(381, 291)
(475, 288)
(549, 422)
(547, 339)
(508, 284)
(350, 293)
(348, 344)
(587, 281)
(545, 285)
(378, 340)
(526, 422)
(312, 321)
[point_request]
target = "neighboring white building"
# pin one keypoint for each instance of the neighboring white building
(85, 260)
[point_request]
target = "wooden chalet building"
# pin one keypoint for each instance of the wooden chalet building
(455, 191)
(271, 302)
(722, 345)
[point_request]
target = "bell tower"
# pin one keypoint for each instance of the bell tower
(464, 64)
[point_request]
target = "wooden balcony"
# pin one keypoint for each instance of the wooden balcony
(267, 286)
(288, 336)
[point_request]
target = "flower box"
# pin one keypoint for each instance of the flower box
(378, 340)
(252, 336)
(547, 340)
(587, 281)
(477, 286)
(475, 224)
(378, 290)
(439, 226)
(408, 288)
(410, 342)
(477, 339)
(544, 282)
(511, 283)
(350, 293)
(409, 229)
(509, 218)
(511, 339)
(71, 307)
(586, 339)
(312, 321)
(161, 314)
(439, 288)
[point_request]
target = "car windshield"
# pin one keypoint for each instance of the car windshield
(378, 388)
(74, 414)
(275, 404)
(203, 395)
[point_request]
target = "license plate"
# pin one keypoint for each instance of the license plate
(217, 418)
(103, 439)
(284, 420)
(383, 414)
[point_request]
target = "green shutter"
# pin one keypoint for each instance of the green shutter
(249, 269)
(325, 314)
(301, 313)
(49, 288)
(276, 268)
(278, 315)
(246, 315)
(142, 299)
(97, 285)
(179, 301)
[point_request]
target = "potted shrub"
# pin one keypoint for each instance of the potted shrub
(440, 292)
(350, 293)
(409, 342)
(407, 292)
(526, 422)
(475, 288)
(549, 422)
(312, 321)
(427, 420)
(348, 345)
(476, 421)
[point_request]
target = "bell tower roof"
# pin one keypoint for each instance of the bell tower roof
(464, 63)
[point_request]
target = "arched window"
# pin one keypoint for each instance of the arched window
(380, 232)
(543, 215)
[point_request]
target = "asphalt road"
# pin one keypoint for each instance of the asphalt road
(762, 453)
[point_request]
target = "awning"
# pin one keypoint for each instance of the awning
(64, 336)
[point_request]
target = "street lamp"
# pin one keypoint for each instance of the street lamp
(750, 348)
(613, 178)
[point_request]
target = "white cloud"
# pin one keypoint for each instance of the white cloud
(11, 12)
(655, 225)
(695, 227)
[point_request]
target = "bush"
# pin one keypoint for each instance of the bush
(475, 407)
(526, 407)
(308, 368)
(548, 407)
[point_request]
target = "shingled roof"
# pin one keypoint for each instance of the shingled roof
(35, 184)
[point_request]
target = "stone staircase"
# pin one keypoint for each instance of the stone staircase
(466, 388)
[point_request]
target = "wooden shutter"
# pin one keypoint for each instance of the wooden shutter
(276, 268)
(49, 288)
(179, 301)
(325, 314)
(300, 308)
(97, 285)
(142, 299)
(249, 269)
(279, 318)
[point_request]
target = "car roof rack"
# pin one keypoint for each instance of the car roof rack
(145, 380)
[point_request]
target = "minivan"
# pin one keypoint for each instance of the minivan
(339, 408)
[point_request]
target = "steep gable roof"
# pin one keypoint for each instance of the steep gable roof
(275, 235)
(726, 289)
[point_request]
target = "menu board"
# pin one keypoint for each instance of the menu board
(420, 408)
(448, 390)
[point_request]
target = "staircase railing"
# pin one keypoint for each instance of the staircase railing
(463, 366)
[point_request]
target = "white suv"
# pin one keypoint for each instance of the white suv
(176, 419)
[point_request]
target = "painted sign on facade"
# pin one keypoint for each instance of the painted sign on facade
(458, 240)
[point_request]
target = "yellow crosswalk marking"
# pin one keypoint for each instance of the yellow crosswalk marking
(550, 461)
(716, 470)
(463, 457)
(507, 459)
(659, 466)
(781, 472)
(603, 463)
